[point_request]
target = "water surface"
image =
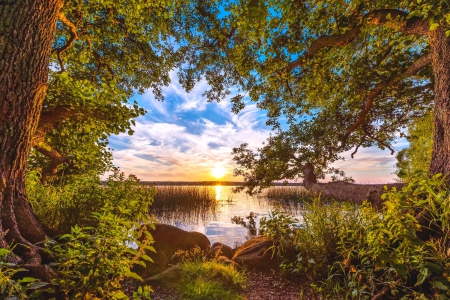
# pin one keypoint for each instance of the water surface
(214, 218)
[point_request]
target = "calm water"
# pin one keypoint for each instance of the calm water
(215, 220)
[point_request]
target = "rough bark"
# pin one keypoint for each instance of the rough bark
(440, 51)
(27, 30)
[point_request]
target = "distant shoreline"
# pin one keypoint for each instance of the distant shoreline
(210, 183)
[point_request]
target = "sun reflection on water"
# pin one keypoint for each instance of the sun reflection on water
(218, 191)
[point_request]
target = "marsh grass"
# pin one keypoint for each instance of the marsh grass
(285, 193)
(186, 204)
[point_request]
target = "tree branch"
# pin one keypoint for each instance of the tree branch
(56, 159)
(397, 20)
(50, 120)
(419, 64)
(73, 37)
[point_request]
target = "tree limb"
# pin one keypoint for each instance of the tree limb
(56, 159)
(419, 64)
(73, 37)
(397, 21)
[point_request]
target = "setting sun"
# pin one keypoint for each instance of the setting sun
(218, 171)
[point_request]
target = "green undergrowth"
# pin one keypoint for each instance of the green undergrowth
(358, 252)
(98, 238)
(208, 280)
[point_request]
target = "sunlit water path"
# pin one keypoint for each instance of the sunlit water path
(214, 218)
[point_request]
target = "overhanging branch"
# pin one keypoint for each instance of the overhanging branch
(392, 18)
(72, 38)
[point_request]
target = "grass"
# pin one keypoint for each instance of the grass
(211, 280)
(184, 203)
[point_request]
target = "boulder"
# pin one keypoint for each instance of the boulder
(219, 249)
(255, 253)
(168, 240)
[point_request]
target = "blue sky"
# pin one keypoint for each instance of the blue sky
(185, 137)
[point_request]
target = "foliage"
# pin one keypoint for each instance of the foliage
(333, 76)
(95, 261)
(250, 225)
(280, 227)
(107, 231)
(71, 200)
(12, 288)
(417, 157)
(207, 280)
(359, 252)
(103, 53)
(404, 248)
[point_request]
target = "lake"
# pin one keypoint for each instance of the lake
(213, 217)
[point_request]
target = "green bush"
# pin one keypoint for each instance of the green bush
(95, 261)
(72, 199)
(403, 250)
(107, 232)
(358, 252)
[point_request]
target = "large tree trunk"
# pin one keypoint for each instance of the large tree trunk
(440, 50)
(27, 30)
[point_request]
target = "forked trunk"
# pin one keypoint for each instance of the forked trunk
(27, 30)
(440, 50)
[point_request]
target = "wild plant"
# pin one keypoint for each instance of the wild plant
(12, 288)
(95, 261)
(401, 251)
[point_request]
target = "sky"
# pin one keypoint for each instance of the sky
(185, 138)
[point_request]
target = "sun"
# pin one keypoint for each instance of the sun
(218, 172)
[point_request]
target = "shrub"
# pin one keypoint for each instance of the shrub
(401, 251)
(95, 261)
(106, 225)
(71, 200)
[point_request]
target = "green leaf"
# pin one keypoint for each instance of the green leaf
(119, 295)
(439, 285)
(134, 275)
(434, 26)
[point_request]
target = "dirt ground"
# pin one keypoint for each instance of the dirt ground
(268, 285)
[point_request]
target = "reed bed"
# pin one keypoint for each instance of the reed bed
(186, 204)
(285, 193)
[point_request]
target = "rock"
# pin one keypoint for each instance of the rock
(219, 249)
(168, 240)
(255, 253)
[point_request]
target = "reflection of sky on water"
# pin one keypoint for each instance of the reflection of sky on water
(218, 227)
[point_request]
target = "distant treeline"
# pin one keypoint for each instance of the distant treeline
(209, 183)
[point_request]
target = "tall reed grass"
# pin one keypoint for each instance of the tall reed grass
(284, 193)
(186, 204)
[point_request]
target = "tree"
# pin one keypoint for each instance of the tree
(95, 55)
(333, 76)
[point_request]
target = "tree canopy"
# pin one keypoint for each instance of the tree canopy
(103, 53)
(333, 76)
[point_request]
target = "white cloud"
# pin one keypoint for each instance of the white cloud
(164, 151)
